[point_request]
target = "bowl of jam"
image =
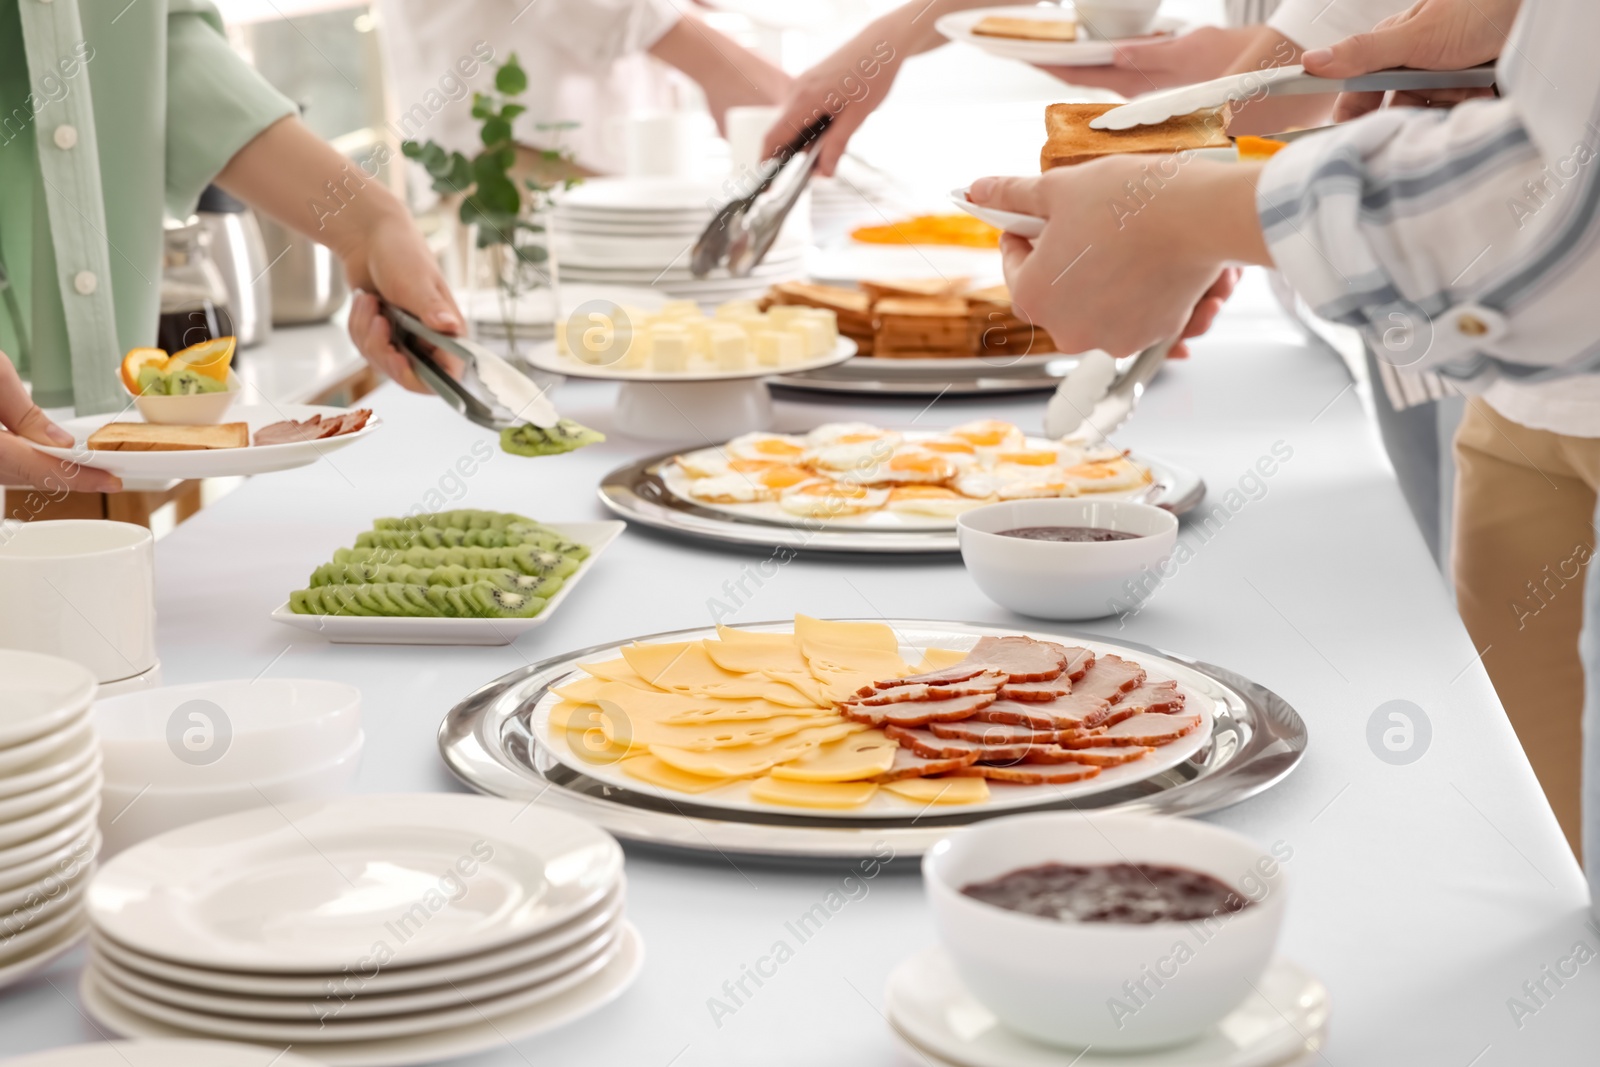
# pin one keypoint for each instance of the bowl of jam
(1111, 930)
(1069, 558)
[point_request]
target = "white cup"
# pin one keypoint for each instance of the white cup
(662, 146)
(81, 589)
(1111, 20)
(747, 127)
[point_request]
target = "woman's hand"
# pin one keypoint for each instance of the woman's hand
(394, 262)
(1133, 250)
(21, 463)
(849, 85)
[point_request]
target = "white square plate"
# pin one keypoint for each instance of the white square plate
(371, 630)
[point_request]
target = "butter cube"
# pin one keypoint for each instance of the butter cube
(681, 309)
(669, 349)
(776, 347)
(829, 321)
(729, 347)
(637, 354)
(814, 340)
(737, 309)
(783, 314)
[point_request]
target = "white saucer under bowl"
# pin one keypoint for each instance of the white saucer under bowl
(150, 679)
(1282, 1021)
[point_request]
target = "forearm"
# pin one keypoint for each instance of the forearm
(721, 66)
(294, 176)
(1213, 215)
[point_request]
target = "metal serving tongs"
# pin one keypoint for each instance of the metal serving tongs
(479, 384)
(739, 240)
(1280, 81)
(1094, 398)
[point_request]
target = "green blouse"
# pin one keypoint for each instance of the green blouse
(110, 111)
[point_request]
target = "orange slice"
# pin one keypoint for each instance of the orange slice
(211, 358)
(137, 360)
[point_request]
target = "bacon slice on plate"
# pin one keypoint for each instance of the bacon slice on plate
(1030, 773)
(998, 733)
(907, 764)
(1162, 697)
(984, 681)
(1097, 757)
(1071, 712)
(1022, 658)
(1151, 728)
(916, 712)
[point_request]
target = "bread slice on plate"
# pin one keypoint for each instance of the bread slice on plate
(1027, 29)
(914, 287)
(1069, 138)
(151, 437)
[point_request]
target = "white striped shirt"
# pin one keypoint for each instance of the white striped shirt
(1464, 241)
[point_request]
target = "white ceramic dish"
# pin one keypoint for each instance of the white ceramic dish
(1029, 226)
(216, 462)
(546, 357)
(371, 630)
(31, 803)
(37, 919)
(937, 1023)
(62, 939)
(58, 744)
(150, 679)
(1057, 982)
(201, 409)
(244, 892)
(63, 861)
(133, 812)
(645, 196)
(485, 307)
(38, 935)
(52, 843)
(38, 695)
(42, 823)
(162, 1054)
(487, 1032)
(1202, 696)
(1067, 580)
(51, 767)
(388, 981)
(1084, 52)
(266, 728)
(1115, 20)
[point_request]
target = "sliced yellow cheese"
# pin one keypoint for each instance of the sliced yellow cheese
(873, 635)
(941, 790)
(812, 794)
(590, 744)
(651, 769)
(582, 691)
(746, 761)
(561, 715)
(616, 670)
(654, 705)
(710, 736)
(849, 759)
(937, 659)
(843, 669)
(688, 668)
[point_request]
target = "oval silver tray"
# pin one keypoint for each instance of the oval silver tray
(636, 492)
(1257, 739)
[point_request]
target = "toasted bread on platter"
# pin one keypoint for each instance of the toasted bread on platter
(1069, 138)
(150, 437)
(914, 287)
(1027, 29)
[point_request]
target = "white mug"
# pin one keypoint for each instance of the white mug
(81, 589)
(667, 145)
(747, 127)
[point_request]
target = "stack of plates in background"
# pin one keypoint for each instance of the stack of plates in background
(49, 798)
(641, 232)
(364, 930)
(163, 1054)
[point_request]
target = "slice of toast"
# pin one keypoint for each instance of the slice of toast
(914, 287)
(1027, 29)
(149, 437)
(1069, 138)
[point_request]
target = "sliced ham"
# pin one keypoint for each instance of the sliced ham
(916, 712)
(998, 733)
(1071, 712)
(1030, 773)
(958, 673)
(1109, 678)
(1096, 757)
(985, 681)
(1151, 728)
(1162, 697)
(315, 428)
(1049, 690)
(1022, 658)
(907, 764)
(1079, 660)
(927, 744)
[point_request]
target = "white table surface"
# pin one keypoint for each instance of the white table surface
(1424, 895)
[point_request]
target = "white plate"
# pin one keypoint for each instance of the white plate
(26, 804)
(1029, 226)
(57, 744)
(488, 1032)
(927, 1003)
(390, 980)
(347, 1001)
(41, 934)
(677, 483)
(1203, 696)
(29, 827)
(162, 1054)
(642, 195)
(62, 940)
(848, 263)
(315, 886)
(50, 768)
(681, 275)
(212, 462)
(56, 843)
(39, 694)
(61, 862)
(51, 875)
(483, 306)
(1084, 52)
(547, 357)
(373, 630)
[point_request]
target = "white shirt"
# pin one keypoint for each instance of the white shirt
(585, 61)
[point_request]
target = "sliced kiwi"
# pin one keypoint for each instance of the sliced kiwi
(564, 436)
(152, 381)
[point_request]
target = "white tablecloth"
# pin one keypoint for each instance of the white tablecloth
(1423, 895)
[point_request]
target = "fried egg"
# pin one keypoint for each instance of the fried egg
(850, 457)
(979, 485)
(906, 466)
(832, 500)
(989, 433)
(772, 447)
(962, 453)
(1050, 485)
(847, 433)
(705, 463)
(933, 500)
(731, 489)
(1108, 477)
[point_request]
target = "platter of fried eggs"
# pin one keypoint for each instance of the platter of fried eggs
(860, 476)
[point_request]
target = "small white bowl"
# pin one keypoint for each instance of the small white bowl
(201, 409)
(265, 729)
(1116, 986)
(1112, 20)
(130, 814)
(1066, 579)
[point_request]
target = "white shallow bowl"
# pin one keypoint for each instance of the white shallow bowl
(39, 694)
(130, 813)
(201, 409)
(1058, 982)
(1111, 20)
(1066, 579)
(263, 729)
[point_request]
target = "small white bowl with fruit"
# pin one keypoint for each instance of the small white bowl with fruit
(194, 387)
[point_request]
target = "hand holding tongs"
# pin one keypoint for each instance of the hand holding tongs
(476, 382)
(739, 241)
(1281, 81)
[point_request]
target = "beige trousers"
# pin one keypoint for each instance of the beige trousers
(1523, 533)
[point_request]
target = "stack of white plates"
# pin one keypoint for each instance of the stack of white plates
(641, 231)
(365, 930)
(162, 1054)
(49, 797)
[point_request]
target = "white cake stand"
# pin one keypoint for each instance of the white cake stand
(693, 405)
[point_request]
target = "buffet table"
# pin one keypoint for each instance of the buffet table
(1424, 895)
